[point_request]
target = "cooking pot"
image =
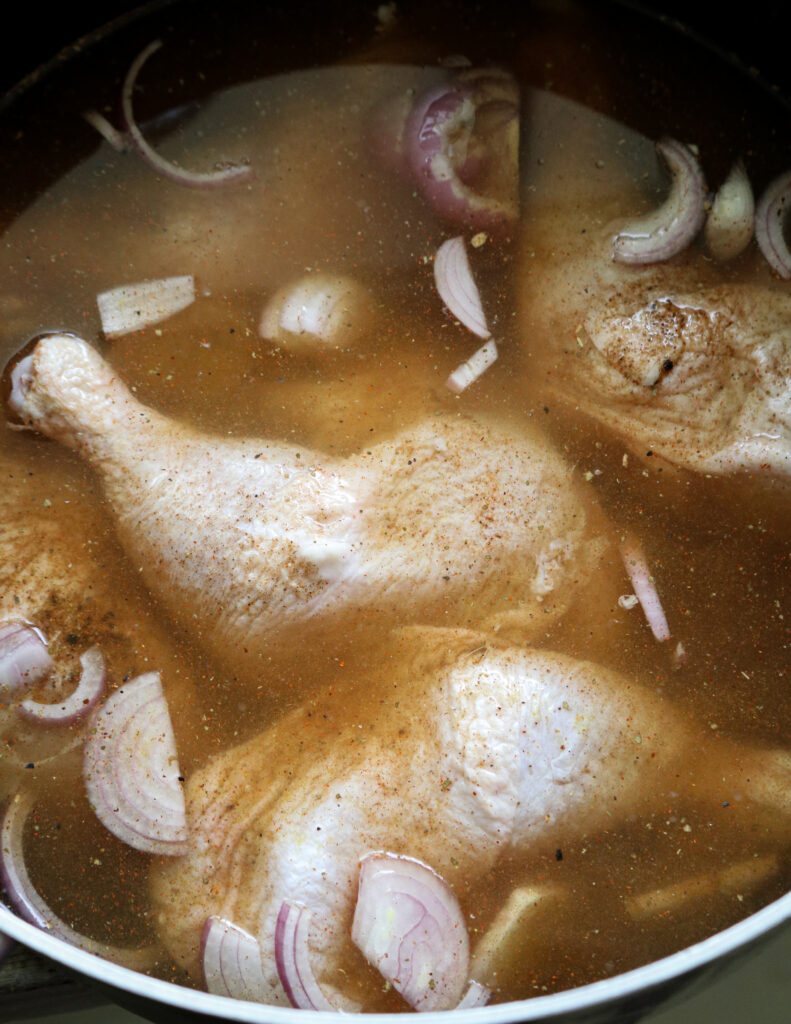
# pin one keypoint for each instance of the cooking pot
(689, 61)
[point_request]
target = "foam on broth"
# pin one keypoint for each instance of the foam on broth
(320, 202)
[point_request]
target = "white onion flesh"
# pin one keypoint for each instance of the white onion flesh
(636, 566)
(317, 311)
(469, 372)
(79, 703)
(729, 225)
(770, 221)
(476, 995)
(131, 772)
(408, 924)
(29, 904)
(131, 307)
(670, 228)
(231, 960)
(224, 176)
(24, 659)
(457, 288)
(107, 131)
(292, 957)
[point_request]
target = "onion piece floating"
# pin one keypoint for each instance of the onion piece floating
(317, 311)
(636, 566)
(729, 225)
(468, 372)
(84, 698)
(292, 957)
(107, 131)
(131, 772)
(131, 307)
(669, 229)
(231, 961)
(28, 903)
(457, 287)
(476, 995)
(224, 176)
(770, 220)
(24, 659)
(408, 924)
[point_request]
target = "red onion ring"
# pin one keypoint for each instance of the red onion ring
(457, 287)
(408, 924)
(130, 769)
(770, 220)
(84, 698)
(231, 961)
(24, 659)
(636, 566)
(225, 176)
(669, 229)
(29, 904)
(292, 957)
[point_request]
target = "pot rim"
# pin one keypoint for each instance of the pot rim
(597, 994)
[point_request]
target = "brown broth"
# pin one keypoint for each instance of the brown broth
(722, 545)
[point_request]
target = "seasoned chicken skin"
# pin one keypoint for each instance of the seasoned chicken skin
(454, 521)
(465, 753)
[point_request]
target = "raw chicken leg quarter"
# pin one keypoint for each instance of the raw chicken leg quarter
(475, 752)
(452, 522)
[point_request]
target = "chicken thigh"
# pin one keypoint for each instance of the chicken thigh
(470, 752)
(678, 358)
(453, 522)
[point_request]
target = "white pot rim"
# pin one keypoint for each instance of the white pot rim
(597, 994)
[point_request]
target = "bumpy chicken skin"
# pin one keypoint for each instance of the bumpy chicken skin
(465, 752)
(454, 521)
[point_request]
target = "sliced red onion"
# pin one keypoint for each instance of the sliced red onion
(131, 307)
(108, 132)
(231, 960)
(636, 566)
(131, 772)
(770, 220)
(669, 229)
(84, 698)
(457, 287)
(223, 176)
(729, 225)
(447, 158)
(408, 924)
(28, 903)
(476, 995)
(292, 957)
(470, 371)
(24, 659)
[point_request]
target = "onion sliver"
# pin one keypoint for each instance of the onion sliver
(107, 131)
(231, 960)
(770, 218)
(408, 924)
(131, 772)
(457, 288)
(24, 659)
(84, 698)
(29, 904)
(669, 229)
(636, 567)
(729, 225)
(292, 956)
(317, 311)
(476, 995)
(224, 176)
(130, 307)
(470, 371)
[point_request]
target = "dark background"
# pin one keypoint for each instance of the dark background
(756, 31)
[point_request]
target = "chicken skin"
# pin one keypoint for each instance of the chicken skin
(247, 542)
(465, 753)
